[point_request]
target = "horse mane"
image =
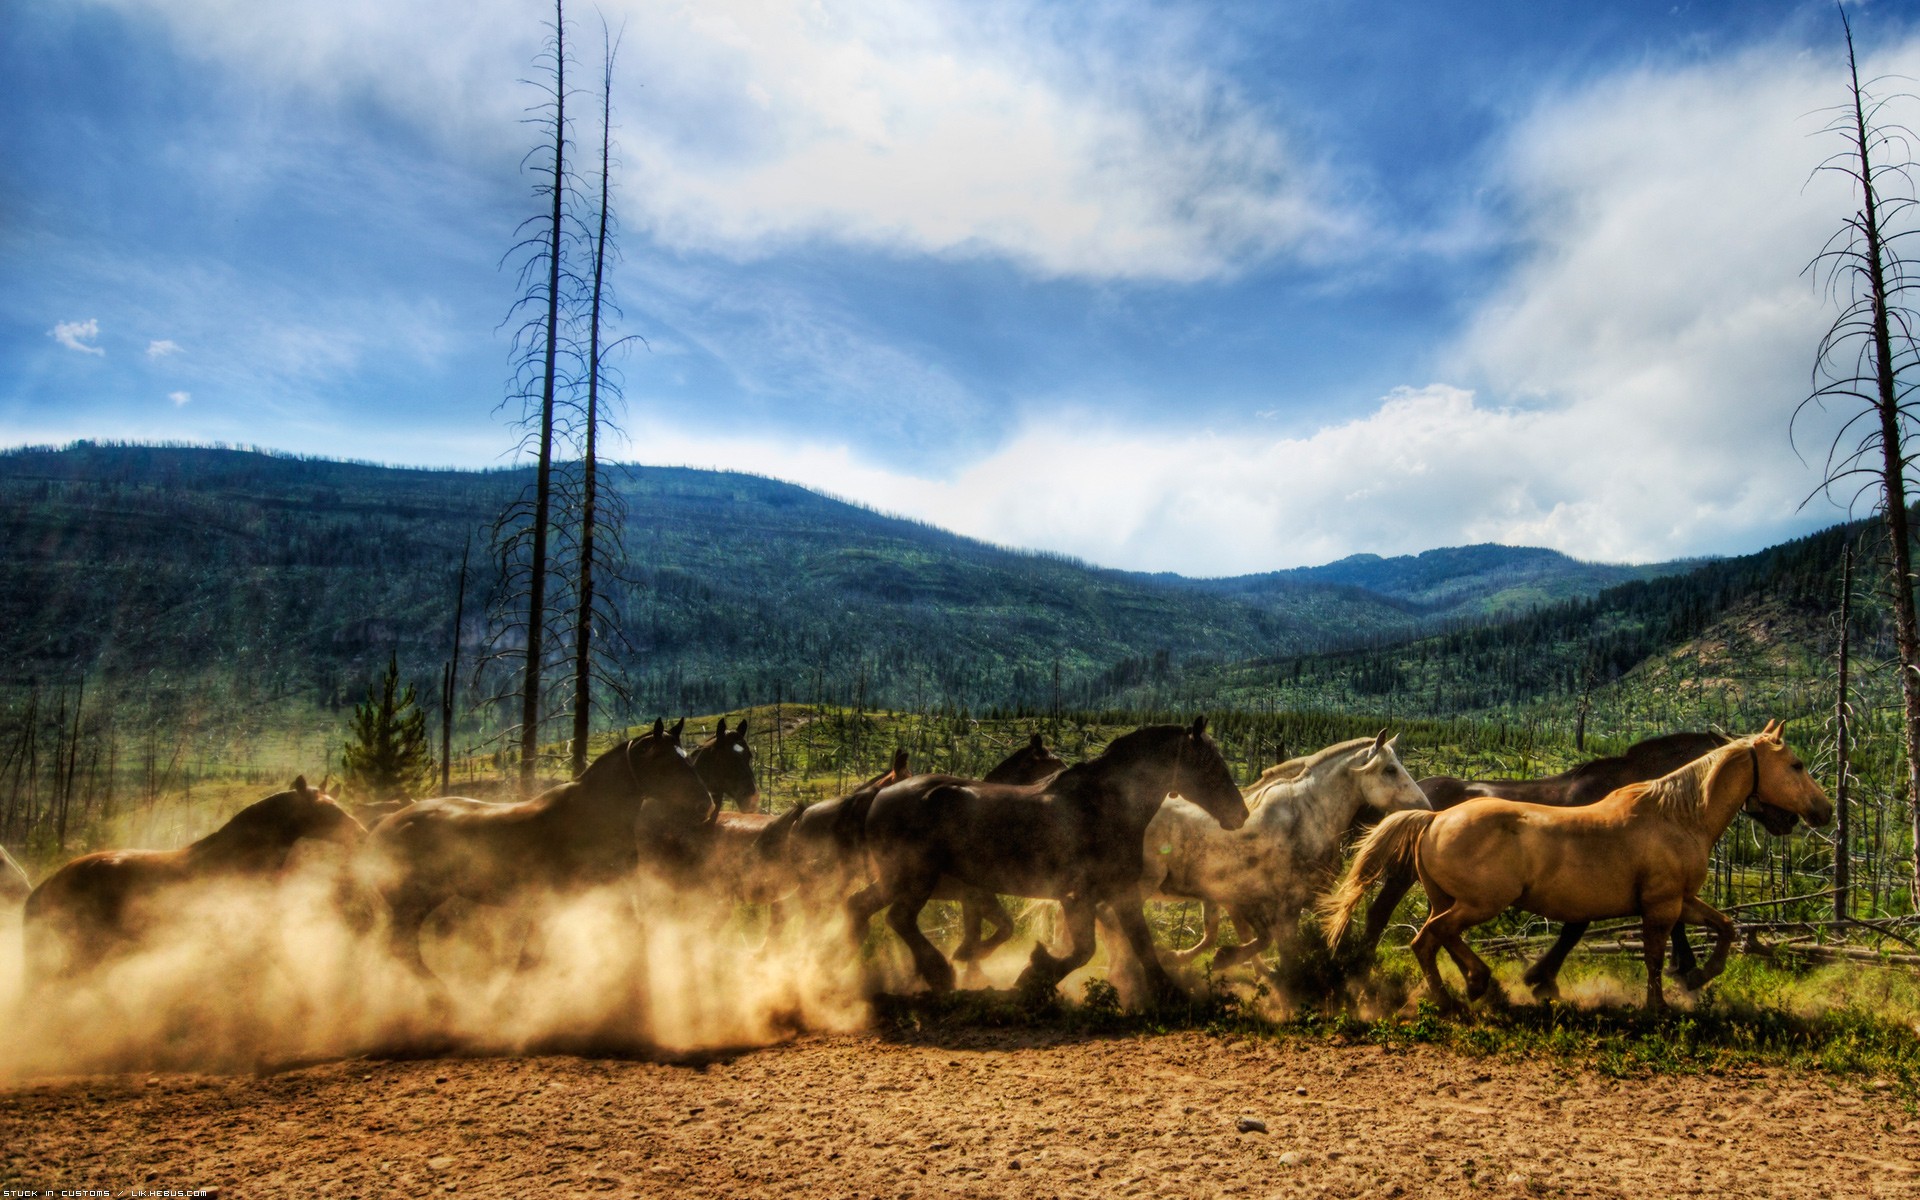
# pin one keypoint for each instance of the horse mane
(1681, 794)
(1300, 768)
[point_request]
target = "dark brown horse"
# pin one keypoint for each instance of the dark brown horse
(1031, 763)
(725, 764)
(103, 904)
(1581, 785)
(638, 802)
(1074, 837)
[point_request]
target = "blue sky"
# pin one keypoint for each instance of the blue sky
(1209, 288)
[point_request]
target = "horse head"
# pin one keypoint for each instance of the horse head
(1384, 783)
(317, 815)
(671, 792)
(1782, 781)
(1201, 776)
(725, 764)
(1029, 764)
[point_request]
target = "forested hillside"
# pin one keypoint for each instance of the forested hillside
(274, 579)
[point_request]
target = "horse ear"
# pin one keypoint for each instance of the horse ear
(299, 784)
(1199, 726)
(740, 730)
(1379, 740)
(900, 763)
(720, 730)
(674, 733)
(1037, 742)
(659, 726)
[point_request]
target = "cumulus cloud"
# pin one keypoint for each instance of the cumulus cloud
(161, 347)
(78, 335)
(179, 398)
(1624, 394)
(931, 127)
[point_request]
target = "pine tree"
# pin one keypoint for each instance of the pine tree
(387, 755)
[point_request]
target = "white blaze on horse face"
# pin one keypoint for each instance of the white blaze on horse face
(739, 749)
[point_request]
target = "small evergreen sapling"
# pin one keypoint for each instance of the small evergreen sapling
(387, 756)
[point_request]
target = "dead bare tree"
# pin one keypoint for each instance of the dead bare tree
(523, 533)
(1865, 359)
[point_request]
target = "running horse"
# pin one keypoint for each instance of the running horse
(640, 802)
(1583, 784)
(725, 764)
(1074, 837)
(1643, 850)
(1273, 867)
(103, 905)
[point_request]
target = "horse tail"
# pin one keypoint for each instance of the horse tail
(1389, 847)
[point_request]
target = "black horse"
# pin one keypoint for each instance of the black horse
(725, 764)
(1074, 837)
(1581, 785)
(640, 801)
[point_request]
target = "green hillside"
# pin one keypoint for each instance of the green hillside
(288, 580)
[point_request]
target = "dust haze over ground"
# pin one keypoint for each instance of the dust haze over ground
(243, 975)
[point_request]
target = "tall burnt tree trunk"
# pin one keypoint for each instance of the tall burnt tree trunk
(1843, 834)
(450, 679)
(543, 478)
(1862, 357)
(589, 466)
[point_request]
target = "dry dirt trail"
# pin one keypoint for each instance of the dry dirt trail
(969, 1113)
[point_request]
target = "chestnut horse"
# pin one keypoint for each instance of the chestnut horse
(640, 801)
(101, 905)
(1642, 850)
(1582, 784)
(725, 764)
(1074, 837)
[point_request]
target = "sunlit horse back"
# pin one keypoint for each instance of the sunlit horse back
(104, 903)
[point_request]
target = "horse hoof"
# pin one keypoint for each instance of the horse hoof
(1546, 992)
(1694, 979)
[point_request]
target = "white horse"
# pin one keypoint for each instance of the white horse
(1268, 871)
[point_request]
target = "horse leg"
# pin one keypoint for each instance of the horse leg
(1544, 976)
(1044, 971)
(1393, 887)
(860, 909)
(1210, 935)
(971, 919)
(996, 914)
(1684, 963)
(1479, 976)
(1426, 951)
(1129, 911)
(1695, 911)
(1256, 932)
(904, 916)
(1656, 924)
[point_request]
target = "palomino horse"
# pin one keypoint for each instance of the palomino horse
(1270, 869)
(638, 800)
(101, 904)
(725, 764)
(1643, 850)
(1074, 837)
(1583, 784)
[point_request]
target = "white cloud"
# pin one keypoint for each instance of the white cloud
(1631, 382)
(179, 398)
(78, 335)
(161, 347)
(929, 127)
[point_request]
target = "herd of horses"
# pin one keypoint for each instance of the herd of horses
(1156, 814)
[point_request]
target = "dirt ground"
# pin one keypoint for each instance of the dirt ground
(970, 1113)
